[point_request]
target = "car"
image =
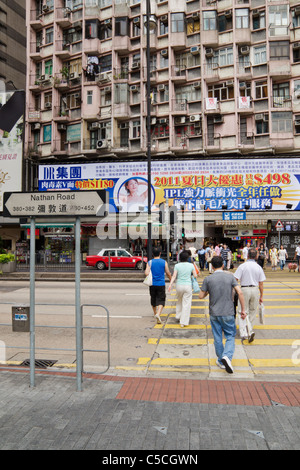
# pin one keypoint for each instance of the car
(116, 258)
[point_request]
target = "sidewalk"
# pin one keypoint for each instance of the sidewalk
(150, 414)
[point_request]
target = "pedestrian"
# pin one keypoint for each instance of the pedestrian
(220, 286)
(245, 251)
(273, 257)
(159, 267)
(224, 254)
(282, 256)
(251, 277)
(210, 253)
(217, 249)
(297, 256)
(201, 258)
(183, 272)
(262, 255)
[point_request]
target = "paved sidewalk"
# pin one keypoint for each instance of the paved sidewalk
(150, 414)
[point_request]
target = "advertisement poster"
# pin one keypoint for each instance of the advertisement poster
(258, 184)
(11, 141)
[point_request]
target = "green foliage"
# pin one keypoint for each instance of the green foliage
(6, 258)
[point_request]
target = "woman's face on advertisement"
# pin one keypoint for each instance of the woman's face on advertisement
(132, 185)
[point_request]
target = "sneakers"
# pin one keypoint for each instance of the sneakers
(219, 364)
(158, 319)
(227, 363)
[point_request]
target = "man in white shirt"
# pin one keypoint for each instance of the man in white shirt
(297, 255)
(245, 251)
(251, 277)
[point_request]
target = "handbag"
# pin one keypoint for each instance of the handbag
(148, 279)
(261, 313)
(195, 285)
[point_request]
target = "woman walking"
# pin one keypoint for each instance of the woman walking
(273, 257)
(282, 256)
(262, 255)
(183, 272)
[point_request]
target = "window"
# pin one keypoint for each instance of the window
(71, 101)
(164, 25)
(161, 129)
(262, 123)
(188, 93)
(296, 19)
(122, 26)
(296, 52)
(261, 89)
(89, 97)
(281, 94)
(223, 91)
(260, 54)
(48, 100)
(48, 67)
(279, 50)
(164, 94)
(105, 96)
(225, 56)
(105, 63)
(136, 129)
(105, 30)
(282, 121)
(259, 19)
(136, 27)
(242, 18)
(121, 93)
(225, 21)
(47, 133)
(279, 20)
(297, 124)
(178, 22)
(193, 26)
(245, 88)
(49, 35)
(209, 20)
(92, 29)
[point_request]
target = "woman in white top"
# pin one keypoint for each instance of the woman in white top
(273, 257)
(282, 256)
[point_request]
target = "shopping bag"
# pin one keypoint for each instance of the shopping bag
(196, 268)
(245, 327)
(148, 279)
(195, 285)
(261, 313)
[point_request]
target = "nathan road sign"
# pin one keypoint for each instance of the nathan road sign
(53, 203)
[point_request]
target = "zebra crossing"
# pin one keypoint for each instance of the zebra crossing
(275, 350)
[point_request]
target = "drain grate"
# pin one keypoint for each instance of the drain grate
(39, 363)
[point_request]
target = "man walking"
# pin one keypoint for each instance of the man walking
(220, 286)
(159, 268)
(251, 277)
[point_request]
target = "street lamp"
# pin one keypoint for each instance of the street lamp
(150, 26)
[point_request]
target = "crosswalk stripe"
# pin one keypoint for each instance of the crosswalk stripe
(198, 361)
(204, 341)
(203, 327)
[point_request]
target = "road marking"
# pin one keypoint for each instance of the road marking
(204, 341)
(116, 316)
(203, 327)
(198, 361)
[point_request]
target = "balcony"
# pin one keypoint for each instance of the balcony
(178, 73)
(63, 17)
(211, 72)
(281, 102)
(36, 19)
(64, 49)
(280, 68)
(36, 51)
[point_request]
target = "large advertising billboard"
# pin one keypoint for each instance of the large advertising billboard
(233, 184)
(11, 141)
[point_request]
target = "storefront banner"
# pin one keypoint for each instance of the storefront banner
(258, 184)
(11, 142)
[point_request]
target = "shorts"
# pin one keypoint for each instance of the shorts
(157, 295)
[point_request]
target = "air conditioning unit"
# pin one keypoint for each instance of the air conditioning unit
(61, 127)
(255, 13)
(161, 87)
(180, 120)
(36, 126)
(163, 121)
(136, 65)
(107, 22)
(107, 89)
(46, 8)
(134, 88)
(103, 77)
(218, 119)
(136, 20)
(194, 50)
(245, 50)
(74, 76)
(197, 85)
(229, 82)
(164, 53)
(195, 117)
(95, 125)
(48, 105)
(153, 120)
(296, 45)
(228, 13)
(102, 144)
(259, 117)
(243, 85)
(209, 52)
(164, 18)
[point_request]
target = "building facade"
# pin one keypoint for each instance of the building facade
(225, 83)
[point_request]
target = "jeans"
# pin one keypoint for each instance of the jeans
(282, 263)
(226, 324)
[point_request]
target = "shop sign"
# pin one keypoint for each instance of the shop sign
(234, 215)
(261, 184)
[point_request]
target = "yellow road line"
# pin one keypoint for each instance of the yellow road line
(198, 361)
(204, 341)
(206, 315)
(202, 327)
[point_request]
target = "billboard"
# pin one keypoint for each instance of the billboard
(12, 105)
(234, 184)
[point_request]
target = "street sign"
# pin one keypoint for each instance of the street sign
(53, 203)
(279, 226)
(234, 215)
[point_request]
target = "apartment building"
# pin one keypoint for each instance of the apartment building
(13, 43)
(225, 80)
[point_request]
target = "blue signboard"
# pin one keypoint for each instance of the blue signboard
(234, 215)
